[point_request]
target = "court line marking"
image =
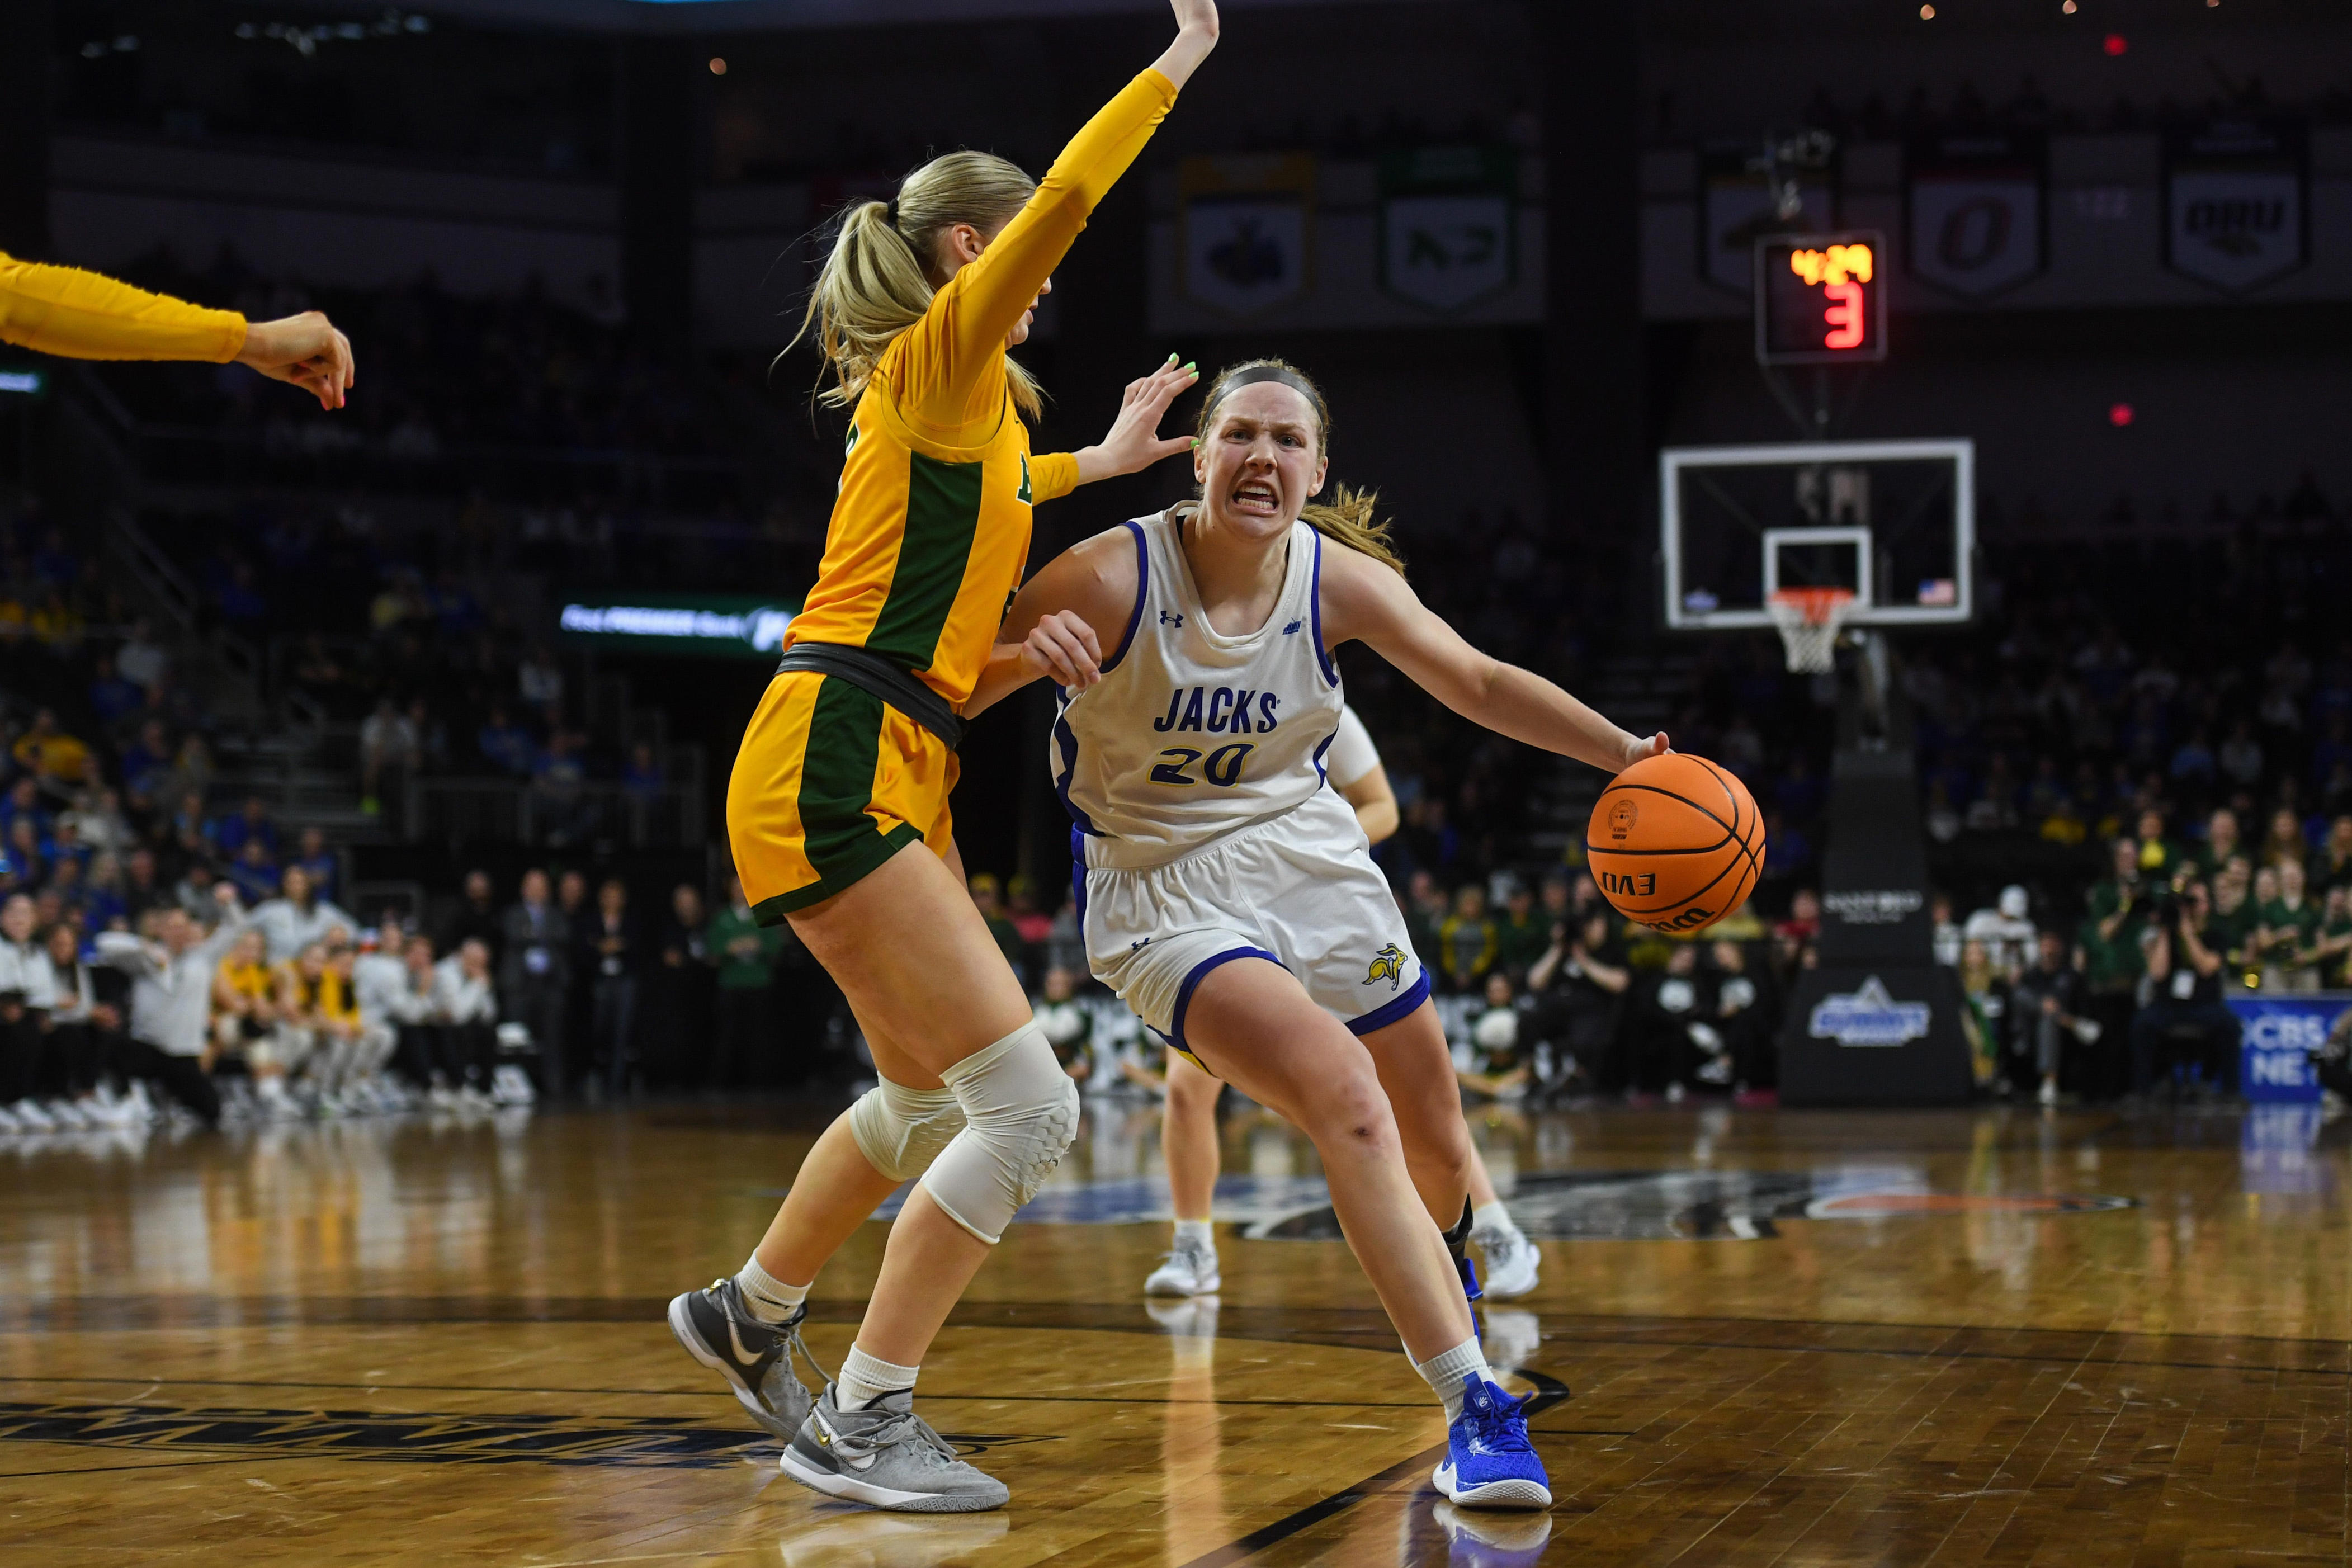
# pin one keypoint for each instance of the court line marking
(158, 1465)
(723, 1394)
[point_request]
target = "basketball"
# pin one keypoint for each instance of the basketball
(1675, 843)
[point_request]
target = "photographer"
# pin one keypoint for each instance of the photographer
(2184, 994)
(1577, 985)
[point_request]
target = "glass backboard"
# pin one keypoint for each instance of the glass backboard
(1892, 521)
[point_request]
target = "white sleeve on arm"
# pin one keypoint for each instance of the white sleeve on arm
(1352, 754)
(122, 949)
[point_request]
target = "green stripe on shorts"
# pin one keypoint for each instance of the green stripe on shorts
(842, 842)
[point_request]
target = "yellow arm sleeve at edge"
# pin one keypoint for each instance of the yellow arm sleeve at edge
(1053, 476)
(81, 315)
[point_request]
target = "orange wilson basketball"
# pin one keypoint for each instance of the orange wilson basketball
(1675, 843)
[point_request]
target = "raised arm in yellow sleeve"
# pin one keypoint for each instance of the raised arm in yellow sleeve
(986, 298)
(82, 315)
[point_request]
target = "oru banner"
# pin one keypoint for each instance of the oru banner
(2235, 206)
(2280, 1036)
(1974, 211)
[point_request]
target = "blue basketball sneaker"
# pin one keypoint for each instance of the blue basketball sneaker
(1489, 1463)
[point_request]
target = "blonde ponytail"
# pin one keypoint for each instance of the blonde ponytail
(1350, 519)
(1350, 516)
(877, 278)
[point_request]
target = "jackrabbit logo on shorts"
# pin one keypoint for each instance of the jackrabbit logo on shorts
(1868, 1015)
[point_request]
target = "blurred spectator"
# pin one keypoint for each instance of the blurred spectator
(249, 823)
(299, 918)
(539, 681)
(745, 953)
(618, 945)
(1498, 1066)
(2048, 1012)
(112, 696)
(98, 823)
(27, 991)
(254, 873)
(468, 1006)
(1945, 934)
(244, 1014)
(1523, 932)
(1467, 941)
(2285, 928)
(58, 760)
(2005, 930)
(388, 746)
(476, 918)
(535, 974)
(987, 896)
(559, 789)
(317, 862)
(2183, 1033)
(642, 777)
(141, 660)
(678, 998)
(171, 967)
(1068, 1028)
(506, 745)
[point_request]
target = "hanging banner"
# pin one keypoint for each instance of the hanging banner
(1736, 209)
(1449, 224)
(2236, 202)
(1975, 211)
(1246, 245)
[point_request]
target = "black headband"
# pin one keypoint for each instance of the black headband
(1280, 373)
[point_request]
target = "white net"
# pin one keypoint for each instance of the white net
(1810, 620)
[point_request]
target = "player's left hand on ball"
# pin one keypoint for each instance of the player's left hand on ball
(1642, 747)
(1064, 648)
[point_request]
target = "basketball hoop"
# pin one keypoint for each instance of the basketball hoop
(1810, 620)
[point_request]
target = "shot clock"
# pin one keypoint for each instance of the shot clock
(1820, 298)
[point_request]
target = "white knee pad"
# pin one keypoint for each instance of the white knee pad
(1020, 1111)
(902, 1131)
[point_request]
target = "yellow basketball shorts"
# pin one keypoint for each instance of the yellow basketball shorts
(831, 782)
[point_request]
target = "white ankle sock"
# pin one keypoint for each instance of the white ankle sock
(1493, 1216)
(864, 1379)
(1195, 1232)
(771, 1299)
(1445, 1371)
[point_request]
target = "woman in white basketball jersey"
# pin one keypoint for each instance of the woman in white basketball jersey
(1225, 893)
(1188, 1136)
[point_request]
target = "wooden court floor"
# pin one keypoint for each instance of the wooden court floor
(1762, 1336)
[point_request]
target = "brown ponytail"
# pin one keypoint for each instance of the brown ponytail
(1350, 516)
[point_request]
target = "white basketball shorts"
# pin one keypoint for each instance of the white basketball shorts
(1301, 890)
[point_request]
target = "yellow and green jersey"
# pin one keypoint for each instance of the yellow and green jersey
(930, 535)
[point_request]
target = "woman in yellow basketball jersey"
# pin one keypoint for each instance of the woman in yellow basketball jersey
(837, 808)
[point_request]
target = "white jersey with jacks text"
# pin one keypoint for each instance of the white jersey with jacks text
(1195, 772)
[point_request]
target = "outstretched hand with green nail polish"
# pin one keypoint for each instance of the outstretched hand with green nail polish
(1134, 442)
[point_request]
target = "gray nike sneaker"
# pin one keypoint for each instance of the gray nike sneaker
(755, 1358)
(887, 1456)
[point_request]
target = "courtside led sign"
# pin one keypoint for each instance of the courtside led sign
(18, 382)
(1820, 298)
(706, 624)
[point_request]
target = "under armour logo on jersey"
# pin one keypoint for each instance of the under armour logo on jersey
(1169, 619)
(1292, 627)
